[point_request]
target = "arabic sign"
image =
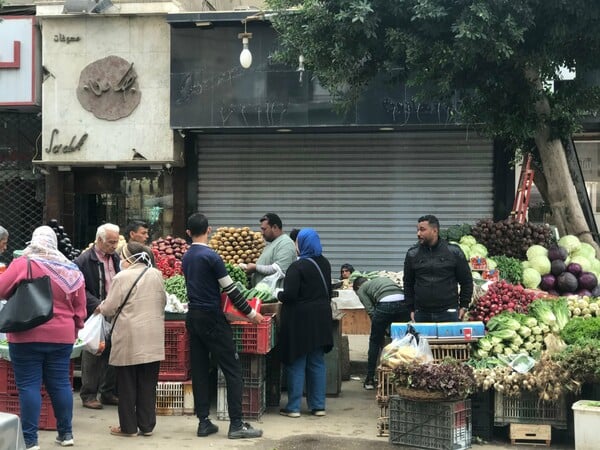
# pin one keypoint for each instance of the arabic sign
(108, 88)
(19, 61)
(62, 38)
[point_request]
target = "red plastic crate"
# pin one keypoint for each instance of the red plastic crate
(10, 404)
(253, 338)
(8, 384)
(177, 364)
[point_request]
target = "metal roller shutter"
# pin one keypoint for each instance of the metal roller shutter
(363, 193)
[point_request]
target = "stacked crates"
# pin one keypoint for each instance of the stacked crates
(385, 389)
(430, 425)
(9, 396)
(253, 343)
(174, 385)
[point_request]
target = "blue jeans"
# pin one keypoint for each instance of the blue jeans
(384, 315)
(313, 366)
(442, 316)
(36, 362)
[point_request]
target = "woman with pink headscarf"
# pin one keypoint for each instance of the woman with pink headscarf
(43, 353)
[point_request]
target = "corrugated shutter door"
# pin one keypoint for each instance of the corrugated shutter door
(363, 193)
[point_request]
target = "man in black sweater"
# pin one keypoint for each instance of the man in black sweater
(433, 269)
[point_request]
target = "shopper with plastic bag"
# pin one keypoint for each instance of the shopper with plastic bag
(94, 334)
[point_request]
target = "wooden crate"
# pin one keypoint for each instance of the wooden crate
(530, 434)
(460, 352)
(355, 321)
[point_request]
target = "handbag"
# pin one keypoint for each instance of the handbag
(120, 308)
(30, 305)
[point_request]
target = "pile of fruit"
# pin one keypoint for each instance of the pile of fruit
(170, 246)
(237, 245)
(63, 240)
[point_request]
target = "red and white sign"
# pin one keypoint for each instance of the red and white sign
(19, 61)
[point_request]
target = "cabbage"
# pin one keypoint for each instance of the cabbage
(595, 265)
(585, 250)
(585, 263)
(466, 250)
(587, 280)
(468, 240)
(557, 267)
(541, 264)
(531, 278)
(566, 282)
(491, 264)
(555, 252)
(569, 242)
(479, 250)
(536, 250)
(525, 264)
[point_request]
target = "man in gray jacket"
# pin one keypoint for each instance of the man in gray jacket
(384, 302)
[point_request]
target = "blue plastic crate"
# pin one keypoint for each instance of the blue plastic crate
(425, 329)
(455, 330)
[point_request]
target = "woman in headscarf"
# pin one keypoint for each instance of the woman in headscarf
(138, 338)
(306, 325)
(44, 352)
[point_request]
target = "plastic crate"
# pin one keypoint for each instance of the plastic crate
(273, 380)
(528, 408)
(177, 365)
(460, 352)
(430, 425)
(482, 413)
(254, 370)
(253, 402)
(385, 386)
(254, 338)
(169, 398)
(10, 404)
(8, 384)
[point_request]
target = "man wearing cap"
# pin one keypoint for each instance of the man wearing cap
(384, 302)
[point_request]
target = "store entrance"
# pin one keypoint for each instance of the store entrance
(118, 197)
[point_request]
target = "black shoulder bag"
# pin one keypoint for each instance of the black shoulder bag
(30, 305)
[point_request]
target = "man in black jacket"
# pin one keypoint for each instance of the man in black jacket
(432, 270)
(99, 265)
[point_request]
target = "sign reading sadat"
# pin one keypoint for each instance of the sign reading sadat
(108, 88)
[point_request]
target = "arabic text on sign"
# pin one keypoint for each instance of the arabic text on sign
(65, 148)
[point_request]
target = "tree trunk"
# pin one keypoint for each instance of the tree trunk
(567, 212)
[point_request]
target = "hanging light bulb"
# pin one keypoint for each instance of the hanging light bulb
(245, 55)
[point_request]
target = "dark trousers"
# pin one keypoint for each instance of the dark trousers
(97, 376)
(137, 397)
(442, 316)
(381, 319)
(210, 335)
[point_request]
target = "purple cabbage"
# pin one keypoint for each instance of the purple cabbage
(548, 282)
(557, 253)
(566, 282)
(574, 268)
(557, 267)
(587, 281)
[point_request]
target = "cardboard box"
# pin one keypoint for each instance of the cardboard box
(457, 329)
(425, 329)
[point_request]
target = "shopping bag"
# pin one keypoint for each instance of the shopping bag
(94, 334)
(31, 304)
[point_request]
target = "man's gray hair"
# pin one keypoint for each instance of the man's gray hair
(102, 229)
(3, 233)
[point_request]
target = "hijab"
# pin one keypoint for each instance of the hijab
(309, 243)
(43, 249)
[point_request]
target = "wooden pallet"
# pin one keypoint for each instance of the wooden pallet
(530, 434)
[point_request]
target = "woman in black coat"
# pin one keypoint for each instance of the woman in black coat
(306, 325)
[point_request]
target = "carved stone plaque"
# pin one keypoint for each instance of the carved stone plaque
(108, 88)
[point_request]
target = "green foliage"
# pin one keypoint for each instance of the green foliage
(454, 232)
(495, 54)
(510, 269)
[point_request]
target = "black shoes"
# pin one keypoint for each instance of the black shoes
(244, 431)
(206, 428)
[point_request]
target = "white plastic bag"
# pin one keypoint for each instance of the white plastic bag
(94, 333)
(273, 281)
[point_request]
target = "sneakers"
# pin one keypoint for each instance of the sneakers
(288, 413)
(244, 431)
(369, 384)
(318, 412)
(33, 447)
(206, 428)
(65, 440)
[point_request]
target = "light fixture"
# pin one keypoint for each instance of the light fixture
(245, 55)
(64, 168)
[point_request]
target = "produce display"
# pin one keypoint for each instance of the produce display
(510, 268)
(510, 238)
(237, 245)
(237, 274)
(170, 246)
(502, 296)
(63, 240)
(175, 285)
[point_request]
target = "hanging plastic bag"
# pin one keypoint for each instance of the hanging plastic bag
(407, 349)
(94, 334)
(271, 282)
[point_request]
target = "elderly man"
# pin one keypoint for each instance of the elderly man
(99, 265)
(278, 254)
